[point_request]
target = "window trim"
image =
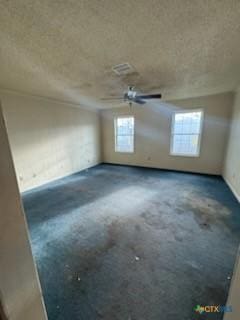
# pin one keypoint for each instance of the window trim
(115, 133)
(200, 134)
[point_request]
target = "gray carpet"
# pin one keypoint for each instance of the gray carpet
(127, 243)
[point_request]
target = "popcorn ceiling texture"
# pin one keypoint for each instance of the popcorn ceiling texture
(65, 49)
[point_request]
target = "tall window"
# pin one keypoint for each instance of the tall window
(186, 133)
(124, 134)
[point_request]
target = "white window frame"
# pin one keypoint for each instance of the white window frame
(200, 134)
(115, 133)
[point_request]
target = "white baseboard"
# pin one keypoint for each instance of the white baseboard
(232, 189)
(40, 184)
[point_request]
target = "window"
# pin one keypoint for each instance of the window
(124, 134)
(186, 133)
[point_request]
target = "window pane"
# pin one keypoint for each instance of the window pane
(125, 126)
(185, 144)
(124, 131)
(124, 143)
(186, 133)
(187, 122)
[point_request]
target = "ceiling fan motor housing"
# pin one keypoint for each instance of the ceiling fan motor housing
(131, 94)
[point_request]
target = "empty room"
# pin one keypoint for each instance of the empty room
(119, 160)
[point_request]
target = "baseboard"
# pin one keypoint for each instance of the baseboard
(237, 196)
(163, 169)
(40, 185)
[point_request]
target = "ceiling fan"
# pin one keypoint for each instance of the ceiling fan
(132, 96)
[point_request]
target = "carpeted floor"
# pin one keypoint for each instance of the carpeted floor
(126, 243)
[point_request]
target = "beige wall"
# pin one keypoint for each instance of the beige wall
(234, 293)
(232, 162)
(49, 140)
(152, 134)
(232, 177)
(20, 292)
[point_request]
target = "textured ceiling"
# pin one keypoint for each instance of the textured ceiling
(65, 49)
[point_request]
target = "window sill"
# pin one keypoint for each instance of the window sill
(185, 155)
(129, 152)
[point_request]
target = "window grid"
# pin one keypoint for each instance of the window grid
(186, 133)
(124, 134)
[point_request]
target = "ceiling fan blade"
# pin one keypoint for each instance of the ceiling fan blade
(150, 96)
(139, 101)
